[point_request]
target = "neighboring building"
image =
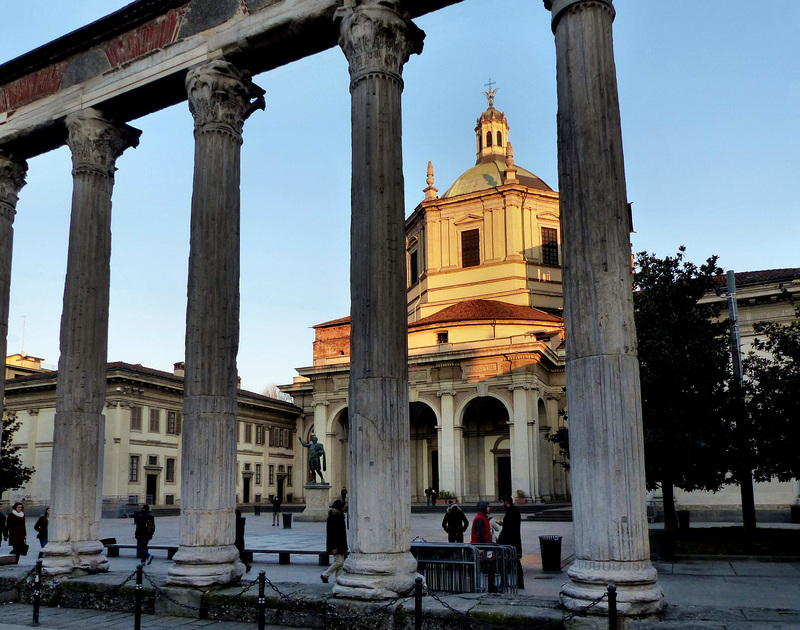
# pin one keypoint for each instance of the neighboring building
(21, 364)
(143, 421)
(486, 353)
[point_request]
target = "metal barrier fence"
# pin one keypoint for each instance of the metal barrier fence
(467, 568)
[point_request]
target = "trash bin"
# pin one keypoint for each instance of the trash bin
(257, 509)
(287, 520)
(550, 548)
(683, 519)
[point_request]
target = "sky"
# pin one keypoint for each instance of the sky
(709, 96)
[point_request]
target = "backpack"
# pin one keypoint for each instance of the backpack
(150, 526)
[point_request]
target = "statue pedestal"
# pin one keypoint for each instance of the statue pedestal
(318, 500)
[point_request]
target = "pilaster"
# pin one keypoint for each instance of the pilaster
(377, 38)
(606, 445)
(79, 432)
(221, 98)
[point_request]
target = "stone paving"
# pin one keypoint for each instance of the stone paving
(732, 593)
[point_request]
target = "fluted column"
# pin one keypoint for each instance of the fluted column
(602, 370)
(221, 98)
(377, 39)
(77, 476)
(12, 179)
(520, 445)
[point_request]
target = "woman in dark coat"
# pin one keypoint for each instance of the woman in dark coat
(41, 527)
(238, 540)
(455, 523)
(17, 532)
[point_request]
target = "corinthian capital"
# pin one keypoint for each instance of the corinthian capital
(96, 143)
(221, 97)
(377, 38)
(12, 179)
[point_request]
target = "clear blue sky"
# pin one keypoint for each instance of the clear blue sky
(709, 94)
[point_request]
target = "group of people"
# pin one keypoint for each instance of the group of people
(487, 530)
(14, 531)
(430, 496)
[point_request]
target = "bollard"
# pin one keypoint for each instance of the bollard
(37, 592)
(262, 600)
(137, 611)
(612, 607)
(418, 603)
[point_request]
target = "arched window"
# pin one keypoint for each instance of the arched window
(499, 139)
(488, 138)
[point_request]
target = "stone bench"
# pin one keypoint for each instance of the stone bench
(113, 549)
(284, 555)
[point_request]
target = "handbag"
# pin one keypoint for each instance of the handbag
(21, 549)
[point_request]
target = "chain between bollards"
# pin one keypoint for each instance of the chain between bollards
(418, 603)
(612, 607)
(37, 592)
(262, 600)
(137, 618)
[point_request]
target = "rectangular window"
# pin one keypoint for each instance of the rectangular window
(258, 476)
(271, 436)
(288, 475)
(136, 418)
(170, 473)
(441, 337)
(248, 433)
(155, 420)
(259, 434)
(169, 499)
(152, 460)
(271, 474)
(413, 265)
(258, 498)
(549, 246)
(247, 466)
(133, 472)
(280, 437)
(470, 248)
(174, 422)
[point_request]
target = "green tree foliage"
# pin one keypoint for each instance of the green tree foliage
(13, 474)
(773, 399)
(684, 355)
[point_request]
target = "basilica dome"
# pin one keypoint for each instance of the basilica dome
(491, 174)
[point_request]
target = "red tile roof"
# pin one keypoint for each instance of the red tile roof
(476, 310)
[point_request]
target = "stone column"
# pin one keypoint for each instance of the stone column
(221, 98)
(450, 475)
(12, 179)
(520, 445)
(78, 438)
(377, 39)
(605, 423)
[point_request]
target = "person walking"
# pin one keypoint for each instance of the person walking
(17, 532)
(427, 496)
(145, 528)
(41, 528)
(481, 529)
(3, 531)
(511, 535)
(276, 510)
(238, 540)
(455, 523)
(336, 539)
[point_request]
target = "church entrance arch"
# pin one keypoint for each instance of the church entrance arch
(339, 455)
(485, 426)
(424, 450)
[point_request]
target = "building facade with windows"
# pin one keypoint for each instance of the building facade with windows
(485, 337)
(143, 425)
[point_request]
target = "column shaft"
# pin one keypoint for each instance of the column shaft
(79, 431)
(606, 446)
(377, 39)
(520, 447)
(450, 476)
(12, 179)
(220, 101)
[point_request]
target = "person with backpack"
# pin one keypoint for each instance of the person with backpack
(455, 523)
(145, 528)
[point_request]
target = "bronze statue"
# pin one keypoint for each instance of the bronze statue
(315, 452)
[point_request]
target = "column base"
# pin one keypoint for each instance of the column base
(377, 576)
(205, 566)
(62, 558)
(638, 592)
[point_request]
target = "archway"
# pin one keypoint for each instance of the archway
(424, 450)
(486, 432)
(339, 455)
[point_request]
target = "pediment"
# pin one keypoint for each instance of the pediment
(469, 218)
(547, 215)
